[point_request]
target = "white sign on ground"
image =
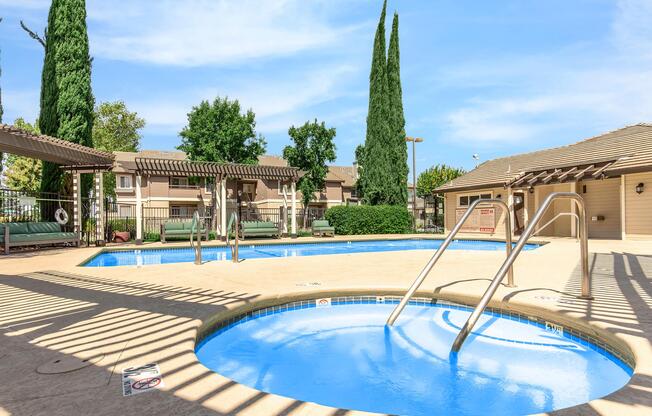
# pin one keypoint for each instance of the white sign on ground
(141, 379)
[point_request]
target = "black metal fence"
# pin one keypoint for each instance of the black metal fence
(430, 217)
(27, 206)
(34, 206)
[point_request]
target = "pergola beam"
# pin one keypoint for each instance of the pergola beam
(536, 178)
(549, 177)
(581, 173)
(50, 149)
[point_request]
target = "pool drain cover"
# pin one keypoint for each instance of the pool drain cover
(67, 364)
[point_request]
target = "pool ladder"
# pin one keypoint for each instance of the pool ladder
(507, 265)
(195, 228)
(234, 221)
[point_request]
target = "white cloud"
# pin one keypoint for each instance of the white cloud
(200, 32)
(597, 86)
(277, 103)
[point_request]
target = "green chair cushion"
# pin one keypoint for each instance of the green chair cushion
(173, 226)
(320, 223)
(15, 228)
(44, 227)
(40, 237)
(245, 225)
(323, 228)
(177, 232)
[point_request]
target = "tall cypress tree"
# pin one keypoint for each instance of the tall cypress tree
(376, 170)
(66, 95)
(48, 120)
(398, 152)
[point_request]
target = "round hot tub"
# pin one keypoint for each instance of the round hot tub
(339, 352)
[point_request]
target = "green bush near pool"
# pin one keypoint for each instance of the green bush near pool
(369, 219)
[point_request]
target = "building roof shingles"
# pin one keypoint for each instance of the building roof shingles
(630, 147)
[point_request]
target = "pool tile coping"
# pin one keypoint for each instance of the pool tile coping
(625, 360)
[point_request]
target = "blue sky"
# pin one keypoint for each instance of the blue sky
(492, 78)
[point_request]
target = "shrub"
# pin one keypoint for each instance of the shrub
(369, 219)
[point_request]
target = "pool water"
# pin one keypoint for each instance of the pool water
(186, 255)
(344, 356)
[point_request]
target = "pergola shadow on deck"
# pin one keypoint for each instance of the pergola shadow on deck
(221, 172)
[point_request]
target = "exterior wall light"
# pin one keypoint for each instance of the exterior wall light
(531, 189)
(640, 188)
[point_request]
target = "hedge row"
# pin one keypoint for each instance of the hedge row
(369, 219)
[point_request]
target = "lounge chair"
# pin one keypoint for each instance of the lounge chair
(178, 229)
(259, 229)
(14, 234)
(322, 228)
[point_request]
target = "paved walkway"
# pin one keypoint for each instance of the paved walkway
(51, 309)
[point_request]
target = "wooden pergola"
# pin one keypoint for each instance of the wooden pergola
(220, 172)
(73, 157)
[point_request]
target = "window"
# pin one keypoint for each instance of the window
(248, 192)
(208, 184)
(466, 200)
(178, 182)
(124, 182)
(280, 185)
(182, 211)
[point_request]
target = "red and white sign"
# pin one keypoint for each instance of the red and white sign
(141, 379)
(482, 220)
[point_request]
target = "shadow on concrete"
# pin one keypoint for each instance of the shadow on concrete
(51, 315)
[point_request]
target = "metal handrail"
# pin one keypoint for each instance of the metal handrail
(561, 214)
(195, 227)
(433, 260)
(233, 221)
(584, 250)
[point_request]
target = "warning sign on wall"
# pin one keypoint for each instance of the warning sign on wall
(141, 379)
(482, 220)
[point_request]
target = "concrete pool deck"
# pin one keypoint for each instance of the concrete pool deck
(51, 309)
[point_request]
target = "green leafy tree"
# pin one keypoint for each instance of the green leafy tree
(313, 148)
(397, 153)
(115, 128)
(219, 132)
(376, 177)
(23, 173)
(66, 95)
(435, 177)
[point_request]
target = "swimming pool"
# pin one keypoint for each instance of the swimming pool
(247, 251)
(340, 353)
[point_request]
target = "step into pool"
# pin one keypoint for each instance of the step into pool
(143, 257)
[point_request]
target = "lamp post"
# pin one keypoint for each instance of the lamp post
(414, 141)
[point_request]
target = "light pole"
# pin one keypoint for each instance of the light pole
(414, 141)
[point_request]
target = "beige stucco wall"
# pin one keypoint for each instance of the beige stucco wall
(638, 209)
(602, 198)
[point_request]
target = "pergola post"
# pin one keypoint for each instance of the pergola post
(139, 210)
(285, 211)
(215, 198)
(573, 224)
(223, 223)
(293, 230)
(99, 206)
(510, 204)
(77, 203)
